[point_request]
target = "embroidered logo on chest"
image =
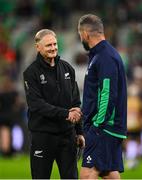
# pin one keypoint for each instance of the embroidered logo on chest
(42, 78)
(67, 75)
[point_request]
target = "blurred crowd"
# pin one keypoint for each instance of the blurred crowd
(21, 19)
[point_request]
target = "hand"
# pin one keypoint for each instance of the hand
(80, 140)
(76, 109)
(73, 116)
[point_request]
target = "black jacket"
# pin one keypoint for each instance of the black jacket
(50, 93)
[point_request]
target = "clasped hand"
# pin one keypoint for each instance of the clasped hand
(74, 115)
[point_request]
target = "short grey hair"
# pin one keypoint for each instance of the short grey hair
(91, 23)
(40, 34)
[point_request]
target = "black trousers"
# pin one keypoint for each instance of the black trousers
(47, 147)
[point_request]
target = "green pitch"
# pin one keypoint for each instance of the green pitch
(18, 168)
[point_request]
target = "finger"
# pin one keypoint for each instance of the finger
(73, 121)
(78, 117)
(78, 113)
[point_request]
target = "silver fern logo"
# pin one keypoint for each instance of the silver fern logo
(67, 75)
(42, 77)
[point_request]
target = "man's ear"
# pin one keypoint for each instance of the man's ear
(37, 46)
(86, 35)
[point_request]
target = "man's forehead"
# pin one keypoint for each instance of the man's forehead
(49, 38)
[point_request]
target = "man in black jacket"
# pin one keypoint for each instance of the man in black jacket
(53, 110)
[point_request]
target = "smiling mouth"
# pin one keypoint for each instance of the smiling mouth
(55, 51)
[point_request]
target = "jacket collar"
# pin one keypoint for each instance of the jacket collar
(94, 50)
(43, 63)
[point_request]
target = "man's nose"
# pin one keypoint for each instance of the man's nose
(53, 47)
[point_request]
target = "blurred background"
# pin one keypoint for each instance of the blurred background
(19, 21)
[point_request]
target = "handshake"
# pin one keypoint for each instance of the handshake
(74, 115)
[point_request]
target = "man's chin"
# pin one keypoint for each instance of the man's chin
(52, 56)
